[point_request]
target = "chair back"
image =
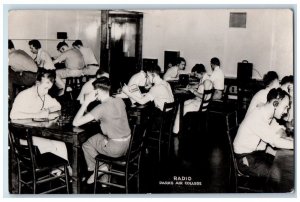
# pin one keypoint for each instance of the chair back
(74, 84)
(25, 154)
(206, 100)
(138, 133)
(168, 117)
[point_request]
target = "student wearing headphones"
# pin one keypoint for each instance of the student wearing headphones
(258, 130)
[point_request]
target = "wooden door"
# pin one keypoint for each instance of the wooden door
(122, 51)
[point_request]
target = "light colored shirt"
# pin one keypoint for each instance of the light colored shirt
(88, 56)
(161, 93)
(139, 79)
(258, 99)
(44, 60)
(73, 59)
(20, 61)
(217, 77)
(28, 101)
(172, 73)
(255, 132)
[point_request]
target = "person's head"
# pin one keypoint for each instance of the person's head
(153, 73)
(45, 80)
(214, 62)
(101, 73)
(280, 100)
(181, 63)
(62, 47)
(198, 70)
(10, 45)
(102, 87)
(77, 44)
(287, 84)
(34, 46)
(271, 79)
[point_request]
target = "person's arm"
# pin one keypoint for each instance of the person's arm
(141, 100)
(284, 143)
(14, 114)
(80, 118)
(60, 58)
(52, 104)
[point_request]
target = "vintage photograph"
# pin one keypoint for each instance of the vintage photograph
(160, 101)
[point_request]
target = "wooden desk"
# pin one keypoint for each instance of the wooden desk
(65, 133)
(282, 177)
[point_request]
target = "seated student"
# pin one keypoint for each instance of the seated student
(287, 84)
(173, 72)
(43, 58)
(258, 130)
(35, 102)
(88, 87)
(22, 69)
(270, 81)
(217, 78)
(73, 61)
(194, 104)
(140, 79)
(160, 92)
(114, 124)
(91, 64)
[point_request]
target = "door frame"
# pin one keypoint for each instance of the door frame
(106, 15)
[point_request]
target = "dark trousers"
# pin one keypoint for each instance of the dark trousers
(17, 79)
(259, 163)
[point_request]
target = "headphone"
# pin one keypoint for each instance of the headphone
(276, 103)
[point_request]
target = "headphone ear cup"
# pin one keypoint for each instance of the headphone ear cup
(275, 103)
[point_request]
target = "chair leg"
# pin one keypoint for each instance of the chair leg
(67, 178)
(19, 180)
(96, 175)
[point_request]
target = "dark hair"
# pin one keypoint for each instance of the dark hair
(179, 60)
(102, 83)
(287, 79)
(155, 69)
(269, 77)
(35, 43)
(199, 68)
(100, 72)
(215, 61)
(10, 44)
(77, 43)
(45, 73)
(61, 44)
(276, 93)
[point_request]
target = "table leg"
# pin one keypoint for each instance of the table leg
(76, 171)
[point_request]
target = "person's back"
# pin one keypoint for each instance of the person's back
(88, 56)
(113, 118)
(73, 59)
(162, 93)
(20, 61)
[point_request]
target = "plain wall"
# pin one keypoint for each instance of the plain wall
(43, 25)
(199, 35)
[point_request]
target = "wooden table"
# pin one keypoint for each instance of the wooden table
(65, 133)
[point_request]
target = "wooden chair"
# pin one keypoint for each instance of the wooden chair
(125, 168)
(240, 182)
(34, 169)
(160, 135)
(74, 85)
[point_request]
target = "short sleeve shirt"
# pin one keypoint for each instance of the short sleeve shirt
(20, 61)
(44, 58)
(73, 59)
(113, 118)
(138, 79)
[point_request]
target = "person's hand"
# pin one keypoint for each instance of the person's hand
(90, 98)
(125, 89)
